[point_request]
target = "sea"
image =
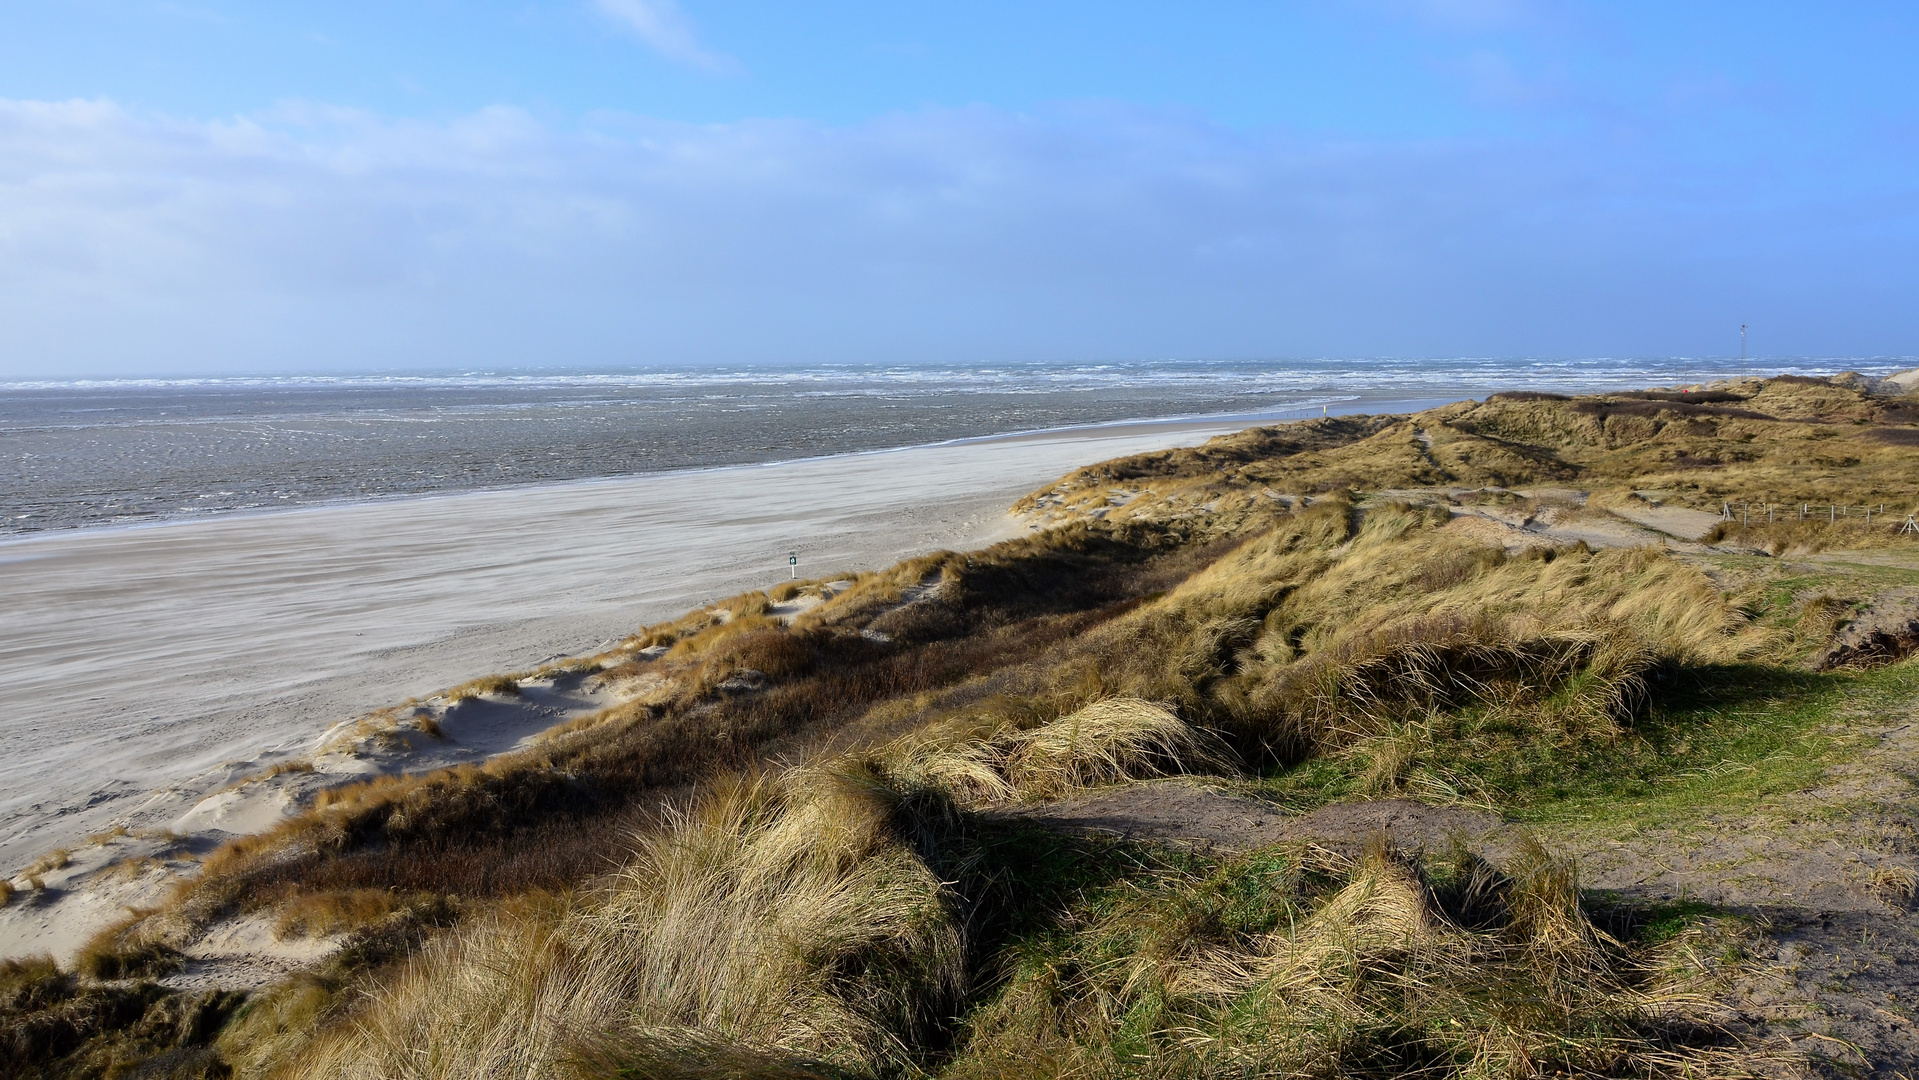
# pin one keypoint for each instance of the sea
(115, 452)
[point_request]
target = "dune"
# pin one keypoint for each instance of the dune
(149, 668)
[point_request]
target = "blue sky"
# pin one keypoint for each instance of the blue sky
(196, 187)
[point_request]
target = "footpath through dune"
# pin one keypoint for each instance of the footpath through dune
(1182, 811)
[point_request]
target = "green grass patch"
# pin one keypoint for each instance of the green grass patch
(1720, 739)
(1647, 924)
(1717, 739)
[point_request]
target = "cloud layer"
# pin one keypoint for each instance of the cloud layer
(319, 238)
(664, 27)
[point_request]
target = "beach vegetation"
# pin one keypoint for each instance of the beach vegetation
(506, 685)
(812, 847)
(55, 1025)
(57, 859)
(128, 949)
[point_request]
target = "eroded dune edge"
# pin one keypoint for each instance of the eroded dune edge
(1531, 736)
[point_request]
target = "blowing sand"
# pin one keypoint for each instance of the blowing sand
(147, 669)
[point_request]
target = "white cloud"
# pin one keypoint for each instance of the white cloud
(318, 237)
(662, 25)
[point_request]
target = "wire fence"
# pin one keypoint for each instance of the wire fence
(1831, 513)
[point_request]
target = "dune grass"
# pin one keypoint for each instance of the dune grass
(662, 891)
(507, 685)
(1306, 962)
(789, 915)
(54, 1025)
(1104, 742)
(838, 920)
(1767, 442)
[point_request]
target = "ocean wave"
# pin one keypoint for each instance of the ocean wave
(872, 380)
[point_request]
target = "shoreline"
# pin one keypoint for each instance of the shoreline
(171, 657)
(1233, 421)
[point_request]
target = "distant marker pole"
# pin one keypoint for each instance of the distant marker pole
(793, 562)
(1742, 343)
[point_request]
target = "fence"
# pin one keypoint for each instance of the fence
(1833, 513)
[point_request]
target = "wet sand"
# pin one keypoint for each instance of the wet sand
(136, 658)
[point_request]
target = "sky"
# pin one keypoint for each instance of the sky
(211, 187)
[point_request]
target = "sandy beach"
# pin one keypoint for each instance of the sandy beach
(172, 658)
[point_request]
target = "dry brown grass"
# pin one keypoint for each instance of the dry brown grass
(1775, 441)
(36, 871)
(1104, 742)
(572, 665)
(1791, 535)
(1324, 629)
(1592, 681)
(1896, 884)
(294, 767)
(325, 913)
(536, 819)
(108, 836)
(128, 949)
(784, 915)
(1344, 967)
(55, 1025)
(809, 920)
(508, 685)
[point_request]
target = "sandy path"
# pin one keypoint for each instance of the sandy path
(136, 658)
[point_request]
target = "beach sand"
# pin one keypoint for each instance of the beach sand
(148, 668)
